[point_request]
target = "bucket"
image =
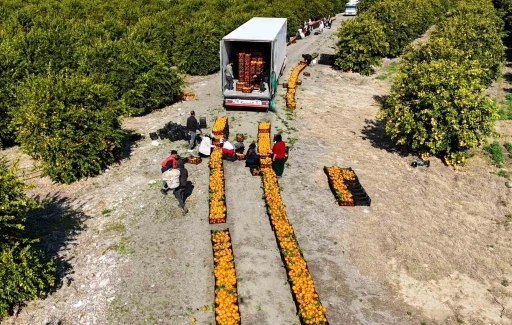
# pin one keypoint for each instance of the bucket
(202, 122)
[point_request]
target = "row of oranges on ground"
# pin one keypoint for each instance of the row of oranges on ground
(220, 124)
(264, 138)
(292, 82)
(311, 310)
(337, 177)
(216, 191)
(226, 297)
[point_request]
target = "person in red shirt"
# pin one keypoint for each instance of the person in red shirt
(279, 155)
(168, 163)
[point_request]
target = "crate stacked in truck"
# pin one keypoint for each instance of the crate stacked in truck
(249, 64)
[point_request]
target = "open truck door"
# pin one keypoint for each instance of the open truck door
(258, 52)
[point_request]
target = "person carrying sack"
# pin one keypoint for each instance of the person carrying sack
(168, 164)
(172, 178)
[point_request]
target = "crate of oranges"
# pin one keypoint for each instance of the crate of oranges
(226, 290)
(194, 160)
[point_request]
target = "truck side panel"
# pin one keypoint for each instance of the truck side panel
(280, 50)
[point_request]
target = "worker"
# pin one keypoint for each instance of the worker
(228, 150)
(228, 72)
(193, 127)
(308, 58)
(205, 148)
(167, 164)
(239, 144)
(179, 192)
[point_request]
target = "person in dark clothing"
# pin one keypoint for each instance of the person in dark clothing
(308, 58)
(179, 192)
(192, 126)
(252, 158)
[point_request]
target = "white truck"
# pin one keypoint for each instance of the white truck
(257, 50)
(351, 8)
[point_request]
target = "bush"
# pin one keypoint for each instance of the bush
(402, 22)
(401, 19)
(196, 51)
(496, 153)
(66, 121)
(25, 273)
(437, 103)
(139, 76)
(465, 26)
(360, 45)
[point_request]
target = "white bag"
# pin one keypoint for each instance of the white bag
(172, 178)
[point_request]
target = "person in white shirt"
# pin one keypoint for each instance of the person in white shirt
(227, 148)
(205, 148)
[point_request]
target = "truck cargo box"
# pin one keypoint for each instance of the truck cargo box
(258, 52)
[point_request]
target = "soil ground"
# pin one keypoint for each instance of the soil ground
(434, 246)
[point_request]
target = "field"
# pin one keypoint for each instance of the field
(433, 248)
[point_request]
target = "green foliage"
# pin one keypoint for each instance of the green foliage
(428, 112)
(495, 151)
(437, 104)
(140, 78)
(402, 22)
(464, 27)
(506, 111)
(66, 121)
(24, 272)
(360, 45)
(508, 146)
(197, 49)
(365, 5)
(114, 57)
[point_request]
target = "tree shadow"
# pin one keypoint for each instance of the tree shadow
(56, 224)
(508, 76)
(130, 140)
(375, 132)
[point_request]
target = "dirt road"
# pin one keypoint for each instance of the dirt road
(434, 246)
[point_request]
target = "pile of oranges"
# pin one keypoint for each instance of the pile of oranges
(310, 310)
(217, 198)
(226, 297)
(264, 138)
(220, 124)
(219, 128)
(292, 83)
(266, 162)
(337, 177)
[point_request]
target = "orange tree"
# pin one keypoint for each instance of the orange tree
(437, 104)
(67, 123)
(361, 45)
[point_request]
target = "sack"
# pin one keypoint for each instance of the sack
(172, 178)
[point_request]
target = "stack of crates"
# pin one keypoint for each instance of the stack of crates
(249, 64)
(241, 68)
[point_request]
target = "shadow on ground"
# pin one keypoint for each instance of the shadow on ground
(375, 132)
(56, 224)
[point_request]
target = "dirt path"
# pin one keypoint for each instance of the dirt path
(434, 246)
(263, 286)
